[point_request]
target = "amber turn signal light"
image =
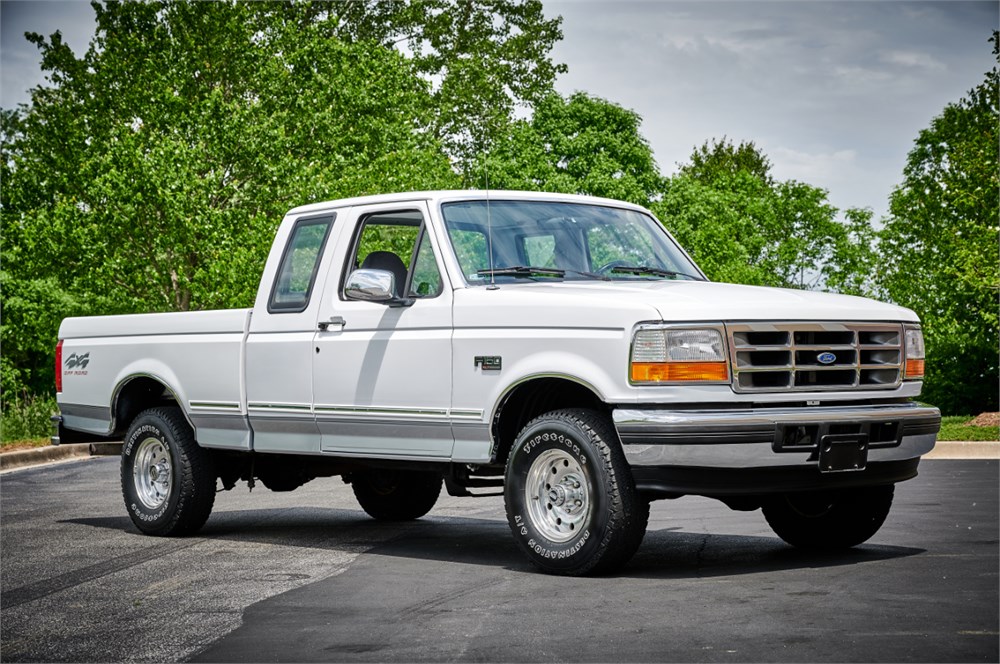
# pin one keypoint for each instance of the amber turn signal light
(914, 368)
(665, 372)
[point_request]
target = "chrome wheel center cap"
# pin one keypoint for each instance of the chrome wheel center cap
(557, 495)
(158, 472)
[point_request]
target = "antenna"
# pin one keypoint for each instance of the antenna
(489, 224)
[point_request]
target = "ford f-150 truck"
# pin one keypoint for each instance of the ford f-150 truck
(561, 349)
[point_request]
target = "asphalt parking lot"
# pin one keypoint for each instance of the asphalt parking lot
(306, 576)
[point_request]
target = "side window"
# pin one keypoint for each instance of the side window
(539, 250)
(426, 281)
(299, 264)
(395, 242)
(470, 248)
(609, 245)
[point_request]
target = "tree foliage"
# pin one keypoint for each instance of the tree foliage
(719, 159)
(578, 145)
(743, 226)
(152, 173)
(853, 265)
(486, 58)
(939, 248)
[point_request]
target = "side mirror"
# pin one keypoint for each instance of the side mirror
(374, 286)
(371, 286)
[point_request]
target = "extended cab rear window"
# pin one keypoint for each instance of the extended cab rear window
(299, 265)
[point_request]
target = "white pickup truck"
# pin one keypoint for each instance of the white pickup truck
(564, 348)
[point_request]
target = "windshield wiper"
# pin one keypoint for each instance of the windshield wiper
(521, 271)
(652, 271)
(529, 271)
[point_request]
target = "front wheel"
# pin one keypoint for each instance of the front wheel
(829, 519)
(168, 480)
(396, 495)
(570, 498)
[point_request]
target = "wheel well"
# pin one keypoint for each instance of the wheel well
(531, 399)
(137, 395)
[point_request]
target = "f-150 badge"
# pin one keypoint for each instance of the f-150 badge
(489, 362)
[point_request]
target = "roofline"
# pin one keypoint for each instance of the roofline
(463, 194)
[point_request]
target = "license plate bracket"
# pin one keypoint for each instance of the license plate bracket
(843, 453)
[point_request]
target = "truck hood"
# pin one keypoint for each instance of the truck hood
(707, 301)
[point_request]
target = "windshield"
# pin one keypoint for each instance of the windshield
(542, 241)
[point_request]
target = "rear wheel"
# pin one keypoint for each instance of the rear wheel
(168, 481)
(829, 519)
(396, 495)
(570, 498)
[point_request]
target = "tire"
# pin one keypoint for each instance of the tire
(829, 520)
(590, 520)
(168, 481)
(396, 495)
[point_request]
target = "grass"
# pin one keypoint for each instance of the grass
(25, 420)
(27, 444)
(955, 427)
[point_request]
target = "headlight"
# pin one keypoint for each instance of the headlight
(914, 342)
(667, 355)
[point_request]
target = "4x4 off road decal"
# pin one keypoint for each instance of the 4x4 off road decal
(76, 365)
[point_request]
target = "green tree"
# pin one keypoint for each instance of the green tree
(579, 145)
(717, 159)
(853, 265)
(486, 58)
(939, 247)
(153, 171)
(743, 226)
(32, 311)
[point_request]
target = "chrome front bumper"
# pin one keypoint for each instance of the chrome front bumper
(771, 437)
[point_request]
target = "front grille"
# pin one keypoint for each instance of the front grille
(806, 357)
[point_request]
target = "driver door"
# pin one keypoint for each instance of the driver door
(381, 372)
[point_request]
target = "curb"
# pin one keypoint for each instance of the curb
(25, 458)
(965, 449)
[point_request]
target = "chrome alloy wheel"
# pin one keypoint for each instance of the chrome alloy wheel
(558, 496)
(151, 472)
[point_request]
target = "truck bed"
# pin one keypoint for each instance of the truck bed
(200, 352)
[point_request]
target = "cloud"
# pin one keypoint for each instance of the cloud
(813, 167)
(857, 75)
(19, 59)
(913, 59)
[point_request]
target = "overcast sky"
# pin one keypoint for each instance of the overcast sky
(833, 92)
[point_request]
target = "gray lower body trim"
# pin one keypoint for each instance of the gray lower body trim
(83, 417)
(219, 421)
(85, 411)
(379, 437)
(473, 442)
(285, 432)
(221, 430)
(288, 424)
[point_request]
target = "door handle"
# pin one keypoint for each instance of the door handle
(324, 325)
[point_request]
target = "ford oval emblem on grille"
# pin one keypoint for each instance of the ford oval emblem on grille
(826, 358)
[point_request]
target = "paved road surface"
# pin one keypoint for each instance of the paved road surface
(305, 576)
